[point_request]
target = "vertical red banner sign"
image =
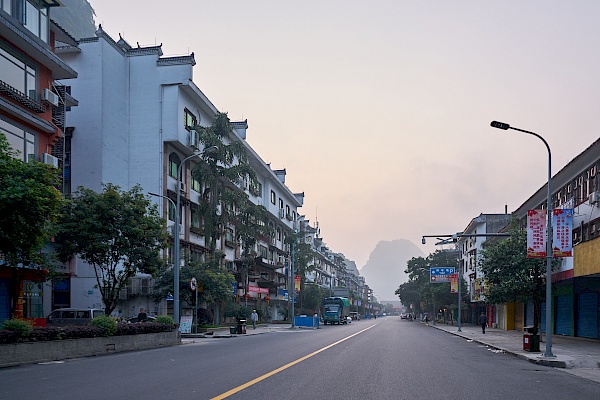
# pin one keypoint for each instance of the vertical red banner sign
(562, 237)
(454, 283)
(536, 233)
(297, 283)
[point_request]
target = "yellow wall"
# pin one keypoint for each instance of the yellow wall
(519, 310)
(586, 258)
(510, 316)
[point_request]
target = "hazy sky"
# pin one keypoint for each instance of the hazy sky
(380, 110)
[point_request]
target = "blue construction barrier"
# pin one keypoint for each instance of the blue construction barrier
(304, 321)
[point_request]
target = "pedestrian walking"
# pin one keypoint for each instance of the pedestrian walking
(483, 321)
(254, 318)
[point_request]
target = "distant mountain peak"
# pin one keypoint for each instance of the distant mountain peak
(384, 270)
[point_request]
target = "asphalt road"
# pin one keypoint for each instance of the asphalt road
(387, 358)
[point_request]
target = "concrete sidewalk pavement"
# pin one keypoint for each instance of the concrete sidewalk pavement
(226, 333)
(578, 356)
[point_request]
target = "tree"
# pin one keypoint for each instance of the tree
(218, 171)
(119, 233)
(511, 276)
(419, 291)
(29, 205)
(214, 282)
(302, 255)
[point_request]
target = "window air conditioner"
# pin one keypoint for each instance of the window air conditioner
(594, 198)
(50, 160)
(193, 139)
(50, 97)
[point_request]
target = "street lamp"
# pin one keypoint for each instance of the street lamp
(176, 233)
(548, 353)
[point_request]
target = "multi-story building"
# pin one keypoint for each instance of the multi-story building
(32, 107)
(576, 283)
(135, 127)
(469, 243)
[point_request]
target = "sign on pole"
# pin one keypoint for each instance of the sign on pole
(562, 239)
(440, 274)
(453, 283)
(536, 234)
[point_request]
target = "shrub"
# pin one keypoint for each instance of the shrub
(7, 336)
(165, 319)
(83, 331)
(47, 333)
(21, 327)
(106, 324)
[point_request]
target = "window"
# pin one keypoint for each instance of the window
(273, 197)
(196, 219)
(20, 140)
(189, 120)
(18, 73)
(280, 203)
(196, 185)
(263, 252)
(174, 162)
(279, 234)
(171, 211)
(31, 13)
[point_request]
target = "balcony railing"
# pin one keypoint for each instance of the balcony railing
(21, 98)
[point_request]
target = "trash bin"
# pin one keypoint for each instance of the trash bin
(233, 329)
(241, 326)
(531, 340)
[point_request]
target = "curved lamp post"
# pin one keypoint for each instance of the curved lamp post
(548, 353)
(177, 234)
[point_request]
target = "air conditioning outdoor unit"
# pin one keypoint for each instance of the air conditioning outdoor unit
(193, 139)
(281, 213)
(50, 97)
(594, 198)
(50, 160)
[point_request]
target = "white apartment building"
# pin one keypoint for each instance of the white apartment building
(133, 127)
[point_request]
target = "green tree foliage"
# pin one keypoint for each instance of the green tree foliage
(312, 297)
(425, 296)
(510, 275)
(212, 278)
(302, 254)
(218, 172)
(119, 233)
(29, 205)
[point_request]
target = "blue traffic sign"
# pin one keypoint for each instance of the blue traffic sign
(440, 274)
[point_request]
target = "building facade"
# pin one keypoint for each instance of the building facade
(32, 111)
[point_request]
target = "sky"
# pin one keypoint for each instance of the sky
(380, 110)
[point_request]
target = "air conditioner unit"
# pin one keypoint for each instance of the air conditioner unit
(50, 97)
(50, 160)
(594, 198)
(281, 213)
(173, 230)
(193, 139)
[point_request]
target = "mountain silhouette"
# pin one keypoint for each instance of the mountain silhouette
(384, 270)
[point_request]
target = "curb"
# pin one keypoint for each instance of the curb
(536, 360)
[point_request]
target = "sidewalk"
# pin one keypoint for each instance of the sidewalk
(577, 356)
(225, 332)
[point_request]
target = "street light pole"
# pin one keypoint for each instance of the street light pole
(177, 234)
(549, 254)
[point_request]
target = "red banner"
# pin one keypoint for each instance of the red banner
(256, 289)
(297, 283)
(562, 238)
(453, 283)
(536, 233)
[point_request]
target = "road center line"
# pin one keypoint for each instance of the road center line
(286, 366)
